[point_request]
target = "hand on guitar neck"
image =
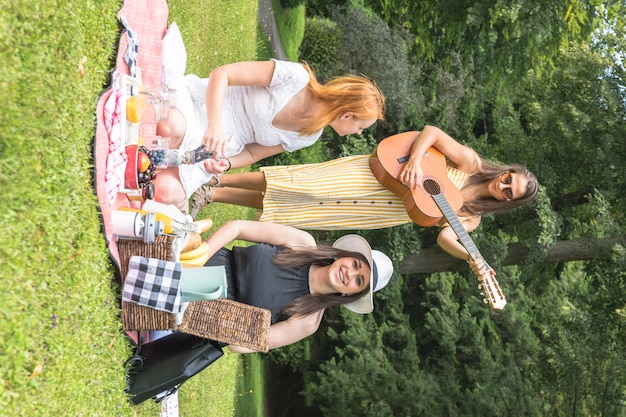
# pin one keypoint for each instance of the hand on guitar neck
(481, 268)
(491, 292)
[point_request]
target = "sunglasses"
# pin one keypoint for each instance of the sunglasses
(507, 178)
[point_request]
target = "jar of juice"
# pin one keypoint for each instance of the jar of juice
(133, 109)
(161, 98)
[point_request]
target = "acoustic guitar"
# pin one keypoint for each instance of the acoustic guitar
(437, 198)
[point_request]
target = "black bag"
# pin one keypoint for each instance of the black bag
(160, 367)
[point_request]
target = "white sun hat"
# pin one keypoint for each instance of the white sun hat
(380, 264)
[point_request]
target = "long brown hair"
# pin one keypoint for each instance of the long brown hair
(351, 93)
(323, 256)
(488, 172)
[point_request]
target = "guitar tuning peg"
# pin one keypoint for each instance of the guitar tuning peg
(485, 301)
(480, 286)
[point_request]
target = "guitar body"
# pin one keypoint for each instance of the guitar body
(386, 164)
(437, 198)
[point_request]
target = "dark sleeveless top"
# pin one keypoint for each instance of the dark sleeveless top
(254, 279)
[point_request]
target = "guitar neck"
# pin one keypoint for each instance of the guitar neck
(494, 294)
(456, 225)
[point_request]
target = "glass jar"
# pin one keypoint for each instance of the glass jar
(155, 102)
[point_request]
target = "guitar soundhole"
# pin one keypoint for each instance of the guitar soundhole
(431, 186)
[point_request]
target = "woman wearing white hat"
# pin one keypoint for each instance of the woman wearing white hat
(288, 274)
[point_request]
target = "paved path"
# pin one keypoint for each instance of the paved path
(265, 16)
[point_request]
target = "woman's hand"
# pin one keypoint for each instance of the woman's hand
(480, 268)
(412, 175)
(218, 166)
(215, 140)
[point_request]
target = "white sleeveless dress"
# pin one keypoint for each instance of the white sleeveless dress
(247, 116)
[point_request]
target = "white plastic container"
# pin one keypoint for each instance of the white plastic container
(127, 223)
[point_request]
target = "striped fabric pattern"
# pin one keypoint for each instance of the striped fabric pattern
(341, 194)
(457, 177)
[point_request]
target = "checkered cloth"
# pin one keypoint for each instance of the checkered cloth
(153, 283)
(116, 156)
(132, 52)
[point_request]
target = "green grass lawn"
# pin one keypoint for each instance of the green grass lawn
(61, 342)
(249, 387)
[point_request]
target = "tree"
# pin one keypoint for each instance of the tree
(370, 47)
(531, 82)
(319, 47)
(579, 112)
(503, 37)
(430, 260)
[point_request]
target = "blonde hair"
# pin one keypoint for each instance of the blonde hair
(355, 94)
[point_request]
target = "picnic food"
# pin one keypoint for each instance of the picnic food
(134, 177)
(204, 224)
(194, 241)
(196, 262)
(196, 257)
(158, 157)
(140, 165)
(201, 250)
(132, 109)
(143, 162)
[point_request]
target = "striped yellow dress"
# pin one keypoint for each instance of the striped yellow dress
(341, 194)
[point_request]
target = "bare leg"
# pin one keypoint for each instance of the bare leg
(242, 189)
(169, 190)
(237, 196)
(246, 180)
(174, 128)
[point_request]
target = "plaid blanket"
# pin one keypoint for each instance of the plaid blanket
(140, 47)
(153, 283)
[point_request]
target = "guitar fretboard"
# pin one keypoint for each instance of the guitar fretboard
(452, 218)
(490, 285)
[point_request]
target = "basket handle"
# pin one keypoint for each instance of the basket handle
(193, 296)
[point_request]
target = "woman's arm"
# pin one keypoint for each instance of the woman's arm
(238, 74)
(289, 331)
(259, 232)
(253, 152)
(465, 158)
(449, 241)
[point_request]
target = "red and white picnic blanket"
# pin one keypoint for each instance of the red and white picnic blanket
(141, 45)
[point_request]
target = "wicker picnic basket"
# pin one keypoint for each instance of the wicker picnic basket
(223, 320)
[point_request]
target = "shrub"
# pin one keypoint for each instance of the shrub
(309, 155)
(320, 7)
(371, 48)
(291, 3)
(320, 46)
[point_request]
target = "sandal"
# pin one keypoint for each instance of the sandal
(204, 196)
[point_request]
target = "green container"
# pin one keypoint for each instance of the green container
(204, 283)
